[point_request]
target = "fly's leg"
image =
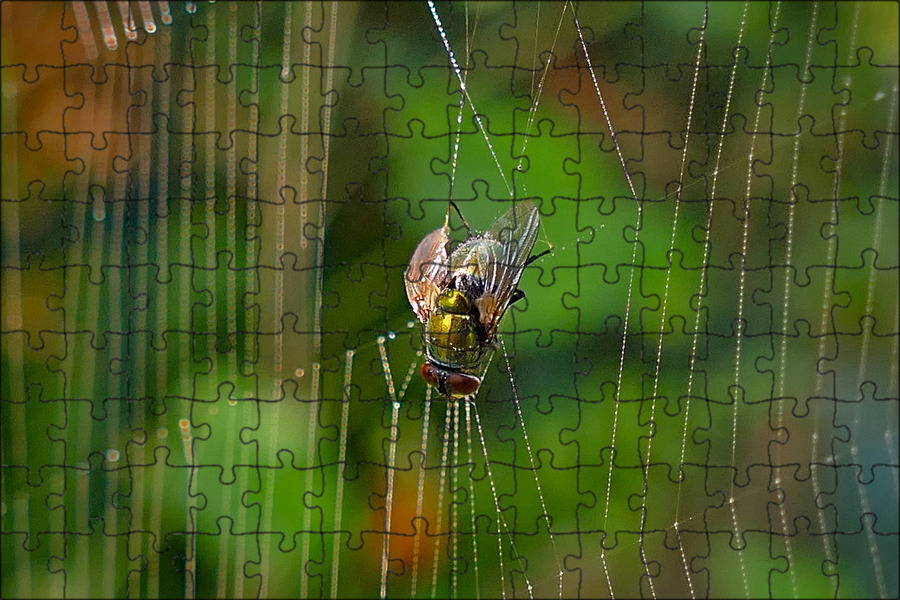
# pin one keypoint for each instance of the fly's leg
(534, 257)
(519, 294)
(465, 223)
(516, 296)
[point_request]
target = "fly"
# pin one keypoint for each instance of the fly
(461, 295)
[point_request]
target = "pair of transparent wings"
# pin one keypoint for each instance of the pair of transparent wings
(497, 256)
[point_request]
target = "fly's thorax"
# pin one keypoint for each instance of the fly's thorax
(451, 334)
(454, 301)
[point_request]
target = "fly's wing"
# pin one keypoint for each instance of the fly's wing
(427, 272)
(514, 234)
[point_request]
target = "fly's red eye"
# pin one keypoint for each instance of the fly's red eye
(463, 384)
(450, 383)
(430, 374)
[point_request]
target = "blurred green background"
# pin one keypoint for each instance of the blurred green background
(202, 248)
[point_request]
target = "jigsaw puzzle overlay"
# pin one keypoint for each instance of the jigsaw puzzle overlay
(210, 378)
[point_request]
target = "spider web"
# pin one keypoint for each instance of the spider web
(209, 383)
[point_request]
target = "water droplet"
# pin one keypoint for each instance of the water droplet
(112, 455)
(879, 96)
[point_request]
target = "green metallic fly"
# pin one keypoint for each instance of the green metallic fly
(461, 295)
